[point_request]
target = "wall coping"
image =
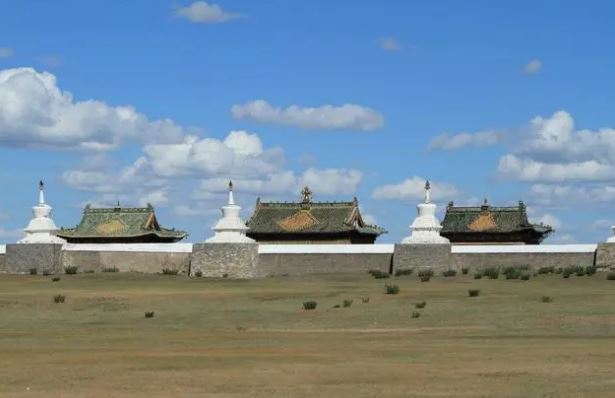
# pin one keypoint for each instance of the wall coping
(130, 247)
(577, 248)
(326, 249)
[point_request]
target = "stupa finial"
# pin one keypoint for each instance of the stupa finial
(427, 188)
(231, 199)
(41, 193)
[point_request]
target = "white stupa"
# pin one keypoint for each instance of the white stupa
(230, 228)
(426, 227)
(41, 228)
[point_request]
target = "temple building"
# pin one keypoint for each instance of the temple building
(492, 225)
(307, 222)
(120, 225)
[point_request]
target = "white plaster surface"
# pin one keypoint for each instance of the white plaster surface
(577, 248)
(131, 247)
(2, 249)
(326, 249)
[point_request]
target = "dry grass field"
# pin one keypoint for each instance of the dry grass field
(223, 338)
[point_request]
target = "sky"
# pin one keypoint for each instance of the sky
(164, 101)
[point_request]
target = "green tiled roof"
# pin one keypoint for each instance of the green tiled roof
(489, 219)
(120, 222)
(309, 217)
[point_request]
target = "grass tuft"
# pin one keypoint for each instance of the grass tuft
(610, 276)
(170, 271)
(33, 271)
(55, 279)
(310, 305)
(425, 274)
(416, 314)
(365, 299)
(422, 304)
(546, 299)
(407, 271)
(449, 273)
(377, 274)
(149, 314)
(198, 273)
(71, 269)
(59, 298)
(391, 289)
(474, 292)
(111, 269)
(347, 303)
(465, 270)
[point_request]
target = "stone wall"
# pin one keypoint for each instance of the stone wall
(218, 260)
(605, 255)
(20, 259)
(417, 256)
(127, 261)
(312, 263)
(477, 261)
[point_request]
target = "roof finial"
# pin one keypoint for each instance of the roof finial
(41, 193)
(427, 188)
(306, 195)
(231, 199)
(485, 202)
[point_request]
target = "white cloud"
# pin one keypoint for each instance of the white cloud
(240, 154)
(552, 151)
(550, 219)
(347, 116)
(11, 235)
(414, 189)
(452, 142)
(369, 219)
(202, 12)
(6, 52)
(35, 112)
(572, 195)
(389, 44)
(532, 67)
(320, 181)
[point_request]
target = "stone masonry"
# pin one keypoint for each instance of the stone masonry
(218, 260)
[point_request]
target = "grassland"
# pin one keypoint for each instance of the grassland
(224, 338)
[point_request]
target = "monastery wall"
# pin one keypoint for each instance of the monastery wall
(250, 260)
(532, 256)
(311, 259)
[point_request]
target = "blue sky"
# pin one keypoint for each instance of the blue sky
(163, 101)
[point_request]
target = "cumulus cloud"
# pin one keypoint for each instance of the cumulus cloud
(203, 12)
(35, 112)
(532, 67)
(320, 181)
(347, 116)
(551, 150)
(452, 142)
(6, 52)
(413, 189)
(389, 44)
(11, 235)
(571, 195)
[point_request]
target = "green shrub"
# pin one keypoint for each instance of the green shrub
(478, 275)
(337, 306)
(573, 270)
(465, 270)
(71, 269)
(546, 270)
(347, 303)
(400, 272)
(198, 273)
(149, 314)
(422, 304)
(546, 299)
(512, 272)
(88, 271)
(610, 276)
(111, 269)
(169, 271)
(377, 274)
(491, 272)
(525, 277)
(59, 298)
(56, 279)
(33, 271)
(559, 270)
(591, 270)
(416, 314)
(46, 272)
(391, 289)
(309, 305)
(473, 292)
(449, 273)
(365, 300)
(425, 274)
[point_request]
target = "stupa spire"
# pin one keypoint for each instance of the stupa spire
(41, 227)
(230, 228)
(425, 228)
